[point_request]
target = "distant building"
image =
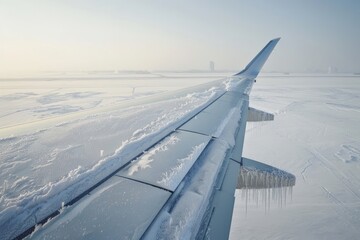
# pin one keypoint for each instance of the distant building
(332, 69)
(212, 66)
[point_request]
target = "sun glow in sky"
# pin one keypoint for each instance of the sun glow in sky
(152, 35)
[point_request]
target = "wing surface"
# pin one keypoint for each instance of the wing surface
(179, 186)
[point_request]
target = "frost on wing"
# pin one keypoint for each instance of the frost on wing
(144, 161)
(170, 178)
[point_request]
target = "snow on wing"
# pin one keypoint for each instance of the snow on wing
(180, 187)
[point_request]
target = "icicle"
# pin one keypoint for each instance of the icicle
(265, 186)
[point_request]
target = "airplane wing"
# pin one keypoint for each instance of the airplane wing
(181, 183)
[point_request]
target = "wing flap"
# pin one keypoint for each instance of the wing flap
(256, 115)
(256, 175)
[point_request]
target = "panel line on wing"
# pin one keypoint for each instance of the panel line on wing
(202, 110)
(166, 164)
(190, 131)
(235, 160)
(146, 183)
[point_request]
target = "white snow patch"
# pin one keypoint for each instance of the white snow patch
(348, 153)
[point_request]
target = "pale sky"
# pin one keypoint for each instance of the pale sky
(177, 35)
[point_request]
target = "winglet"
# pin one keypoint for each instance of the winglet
(254, 67)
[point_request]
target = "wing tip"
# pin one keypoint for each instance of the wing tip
(254, 67)
(276, 39)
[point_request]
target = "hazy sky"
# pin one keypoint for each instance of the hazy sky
(177, 35)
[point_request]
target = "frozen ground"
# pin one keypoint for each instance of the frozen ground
(316, 136)
(90, 120)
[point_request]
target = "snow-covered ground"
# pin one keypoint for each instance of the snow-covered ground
(91, 120)
(316, 136)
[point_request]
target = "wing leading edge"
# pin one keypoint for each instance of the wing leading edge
(182, 186)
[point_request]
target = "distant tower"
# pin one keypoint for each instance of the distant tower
(212, 66)
(332, 69)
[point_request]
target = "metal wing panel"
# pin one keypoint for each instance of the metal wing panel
(167, 163)
(118, 209)
(221, 120)
(181, 217)
(219, 223)
(212, 119)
